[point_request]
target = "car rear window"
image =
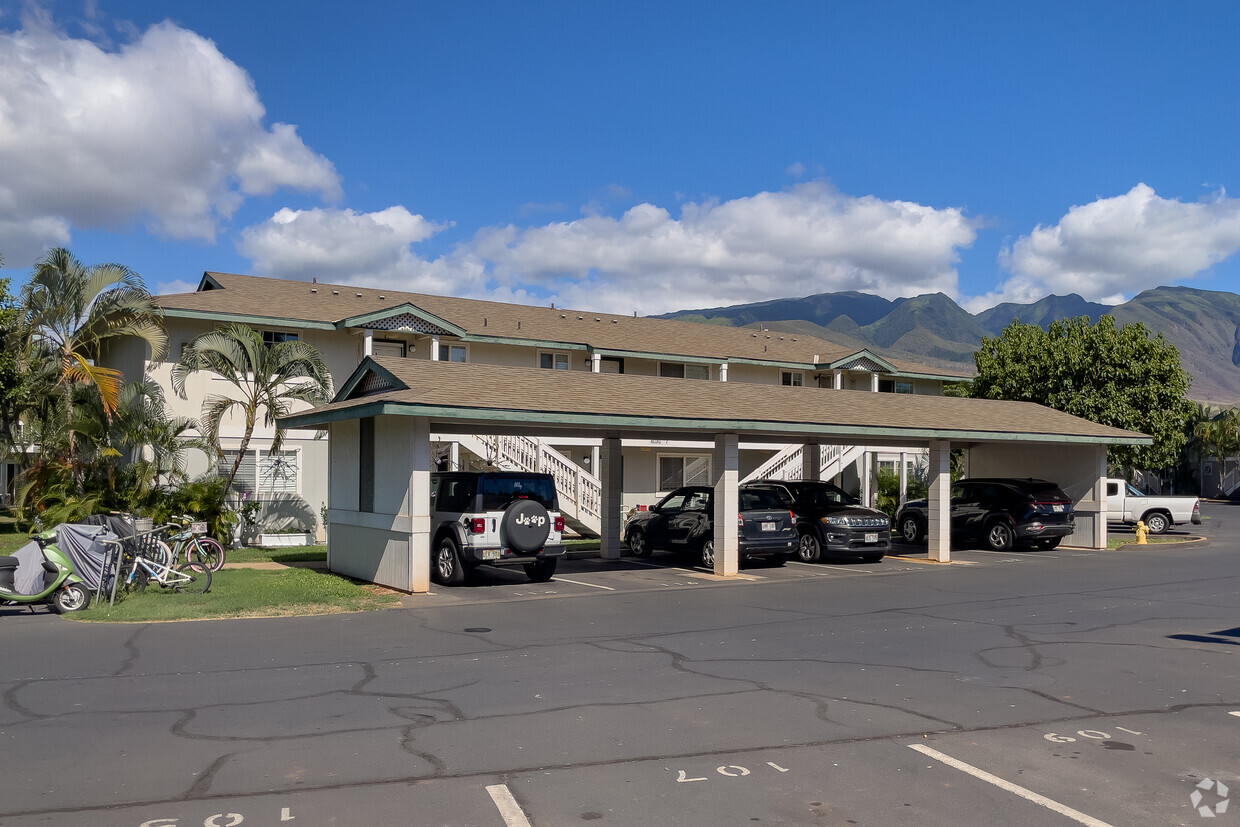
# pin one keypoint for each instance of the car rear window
(1046, 492)
(498, 492)
(758, 498)
(823, 496)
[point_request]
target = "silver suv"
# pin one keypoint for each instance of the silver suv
(496, 518)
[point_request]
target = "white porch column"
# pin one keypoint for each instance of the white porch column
(874, 382)
(727, 504)
(454, 456)
(596, 363)
(903, 477)
(1100, 497)
(837, 379)
(867, 479)
(612, 522)
(368, 343)
(723, 372)
(435, 348)
(419, 503)
(938, 533)
(811, 461)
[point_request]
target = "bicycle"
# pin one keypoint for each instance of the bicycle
(192, 577)
(188, 539)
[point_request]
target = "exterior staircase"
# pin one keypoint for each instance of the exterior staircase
(580, 492)
(786, 465)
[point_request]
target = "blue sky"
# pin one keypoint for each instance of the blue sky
(635, 156)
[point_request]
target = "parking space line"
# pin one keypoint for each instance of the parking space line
(508, 807)
(581, 583)
(1028, 795)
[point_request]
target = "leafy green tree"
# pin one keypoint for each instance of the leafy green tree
(1118, 376)
(11, 384)
(268, 379)
(72, 312)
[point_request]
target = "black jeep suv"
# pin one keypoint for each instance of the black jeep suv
(831, 522)
(497, 518)
(999, 512)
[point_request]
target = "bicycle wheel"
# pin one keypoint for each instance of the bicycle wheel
(160, 552)
(199, 578)
(135, 580)
(210, 552)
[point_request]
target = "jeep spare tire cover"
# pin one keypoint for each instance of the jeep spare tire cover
(526, 525)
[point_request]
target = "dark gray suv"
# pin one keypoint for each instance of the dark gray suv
(1000, 512)
(495, 518)
(831, 522)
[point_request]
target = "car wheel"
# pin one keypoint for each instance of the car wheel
(446, 568)
(540, 571)
(1157, 522)
(911, 530)
(638, 545)
(809, 549)
(72, 598)
(999, 536)
(707, 554)
(776, 560)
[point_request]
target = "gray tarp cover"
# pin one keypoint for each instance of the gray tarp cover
(28, 579)
(82, 544)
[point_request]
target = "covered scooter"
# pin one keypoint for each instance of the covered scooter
(39, 572)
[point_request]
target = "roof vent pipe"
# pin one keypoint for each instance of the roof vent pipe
(314, 279)
(484, 321)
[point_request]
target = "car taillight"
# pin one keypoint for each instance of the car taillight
(477, 525)
(740, 520)
(559, 523)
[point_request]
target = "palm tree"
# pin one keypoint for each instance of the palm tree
(268, 379)
(73, 311)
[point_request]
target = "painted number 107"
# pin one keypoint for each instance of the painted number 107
(727, 771)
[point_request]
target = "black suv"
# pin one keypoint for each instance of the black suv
(999, 512)
(831, 522)
(497, 518)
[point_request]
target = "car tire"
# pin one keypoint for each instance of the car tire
(525, 526)
(540, 571)
(446, 567)
(1157, 522)
(706, 554)
(999, 536)
(911, 530)
(639, 546)
(809, 550)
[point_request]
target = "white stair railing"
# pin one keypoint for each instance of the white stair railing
(1230, 481)
(787, 464)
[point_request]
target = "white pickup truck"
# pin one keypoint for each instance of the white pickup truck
(1125, 504)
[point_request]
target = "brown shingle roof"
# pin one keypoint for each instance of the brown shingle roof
(578, 400)
(328, 304)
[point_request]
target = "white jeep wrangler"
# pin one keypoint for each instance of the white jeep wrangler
(496, 518)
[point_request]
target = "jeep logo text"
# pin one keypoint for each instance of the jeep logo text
(525, 519)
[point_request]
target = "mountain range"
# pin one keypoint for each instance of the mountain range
(1204, 325)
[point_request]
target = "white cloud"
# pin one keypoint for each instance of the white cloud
(804, 240)
(165, 131)
(1113, 248)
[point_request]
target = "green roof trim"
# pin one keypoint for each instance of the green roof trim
(245, 318)
(367, 367)
(662, 357)
(483, 339)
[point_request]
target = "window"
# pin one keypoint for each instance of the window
(262, 472)
(793, 378)
(246, 481)
(388, 347)
(553, 361)
(675, 471)
(611, 364)
(453, 353)
(271, 337)
(679, 370)
(904, 387)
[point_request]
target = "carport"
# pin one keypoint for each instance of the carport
(381, 422)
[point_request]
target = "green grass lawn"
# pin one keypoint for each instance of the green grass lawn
(285, 554)
(246, 593)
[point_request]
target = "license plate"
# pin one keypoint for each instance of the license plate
(768, 527)
(872, 538)
(1057, 508)
(491, 554)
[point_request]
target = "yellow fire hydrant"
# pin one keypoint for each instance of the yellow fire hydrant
(1142, 532)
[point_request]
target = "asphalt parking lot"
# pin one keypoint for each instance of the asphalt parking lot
(1065, 687)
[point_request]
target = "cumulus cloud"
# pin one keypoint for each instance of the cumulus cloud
(164, 131)
(804, 240)
(1113, 248)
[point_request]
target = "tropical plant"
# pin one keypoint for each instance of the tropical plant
(268, 379)
(72, 312)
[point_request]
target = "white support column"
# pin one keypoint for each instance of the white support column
(903, 477)
(609, 474)
(594, 460)
(727, 504)
(454, 456)
(723, 372)
(1100, 496)
(368, 343)
(811, 461)
(874, 382)
(938, 533)
(435, 348)
(837, 379)
(420, 461)
(596, 363)
(867, 479)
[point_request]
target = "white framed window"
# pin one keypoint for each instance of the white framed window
(388, 347)
(794, 378)
(553, 361)
(263, 472)
(678, 470)
(904, 387)
(680, 370)
(454, 353)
